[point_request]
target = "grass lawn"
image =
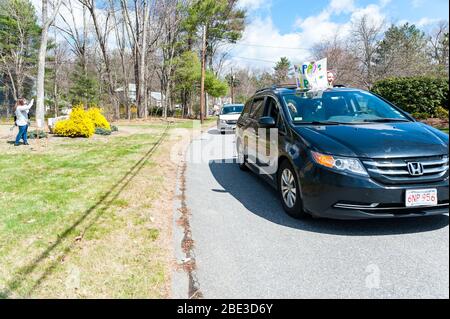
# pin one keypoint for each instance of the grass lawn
(87, 218)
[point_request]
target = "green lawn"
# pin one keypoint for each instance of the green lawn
(77, 221)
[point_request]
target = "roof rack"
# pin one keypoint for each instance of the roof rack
(339, 86)
(278, 86)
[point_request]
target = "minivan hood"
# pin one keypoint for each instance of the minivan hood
(230, 117)
(378, 140)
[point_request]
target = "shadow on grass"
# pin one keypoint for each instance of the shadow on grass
(94, 212)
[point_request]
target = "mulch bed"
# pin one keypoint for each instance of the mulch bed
(439, 123)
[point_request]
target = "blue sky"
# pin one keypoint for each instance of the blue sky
(274, 25)
(285, 12)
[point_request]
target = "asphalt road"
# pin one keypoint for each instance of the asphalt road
(247, 247)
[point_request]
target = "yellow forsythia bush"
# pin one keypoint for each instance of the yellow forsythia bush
(79, 124)
(96, 116)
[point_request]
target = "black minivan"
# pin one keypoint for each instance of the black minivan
(343, 153)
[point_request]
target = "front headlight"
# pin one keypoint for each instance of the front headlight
(341, 164)
(223, 121)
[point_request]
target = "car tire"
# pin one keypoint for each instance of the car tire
(289, 191)
(222, 132)
(242, 158)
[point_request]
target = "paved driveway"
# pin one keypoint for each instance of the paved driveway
(246, 247)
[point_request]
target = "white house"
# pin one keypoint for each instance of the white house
(156, 97)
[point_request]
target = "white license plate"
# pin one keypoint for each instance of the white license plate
(421, 197)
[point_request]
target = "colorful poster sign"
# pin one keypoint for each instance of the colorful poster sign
(312, 75)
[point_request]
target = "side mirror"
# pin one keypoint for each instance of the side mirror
(266, 122)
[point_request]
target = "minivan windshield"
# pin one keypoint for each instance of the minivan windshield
(232, 109)
(345, 107)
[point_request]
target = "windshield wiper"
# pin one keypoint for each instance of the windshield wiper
(319, 123)
(386, 120)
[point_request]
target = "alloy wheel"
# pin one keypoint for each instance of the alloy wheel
(288, 188)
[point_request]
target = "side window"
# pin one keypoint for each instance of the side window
(272, 108)
(247, 107)
(257, 108)
(274, 112)
(246, 111)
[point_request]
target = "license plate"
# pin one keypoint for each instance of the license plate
(421, 197)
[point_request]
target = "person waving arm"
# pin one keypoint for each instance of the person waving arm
(25, 107)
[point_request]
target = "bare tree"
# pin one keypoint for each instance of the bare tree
(59, 77)
(171, 18)
(20, 42)
(341, 61)
(102, 30)
(75, 38)
(439, 47)
(121, 41)
(365, 39)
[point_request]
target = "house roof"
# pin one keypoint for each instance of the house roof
(132, 90)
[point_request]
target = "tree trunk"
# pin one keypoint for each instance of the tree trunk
(143, 49)
(46, 22)
(40, 105)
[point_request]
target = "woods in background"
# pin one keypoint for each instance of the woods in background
(116, 53)
(372, 51)
(140, 58)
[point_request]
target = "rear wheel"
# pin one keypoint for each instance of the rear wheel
(289, 191)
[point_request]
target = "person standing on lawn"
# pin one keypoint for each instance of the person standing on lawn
(21, 112)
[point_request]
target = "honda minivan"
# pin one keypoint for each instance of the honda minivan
(343, 153)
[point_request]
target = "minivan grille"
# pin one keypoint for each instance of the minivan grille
(396, 171)
(231, 122)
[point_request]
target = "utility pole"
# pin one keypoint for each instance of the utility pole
(202, 84)
(232, 86)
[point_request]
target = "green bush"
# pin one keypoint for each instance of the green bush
(442, 113)
(420, 96)
(37, 134)
(178, 113)
(102, 131)
(114, 128)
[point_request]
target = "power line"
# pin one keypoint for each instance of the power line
(252, 59)
(270, 46)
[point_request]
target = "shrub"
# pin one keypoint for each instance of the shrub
(37, 134)
(442, 113)
(96, 116)
(420, 96)
(79, 124)
(114, 128)
(102, 131)
(421, 115)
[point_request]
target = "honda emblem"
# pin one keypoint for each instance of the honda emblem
(415, 169)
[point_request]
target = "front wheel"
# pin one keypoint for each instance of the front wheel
(289, 191)
(242, 158)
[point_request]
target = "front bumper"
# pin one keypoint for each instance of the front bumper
(226, 127)
(328, 194)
